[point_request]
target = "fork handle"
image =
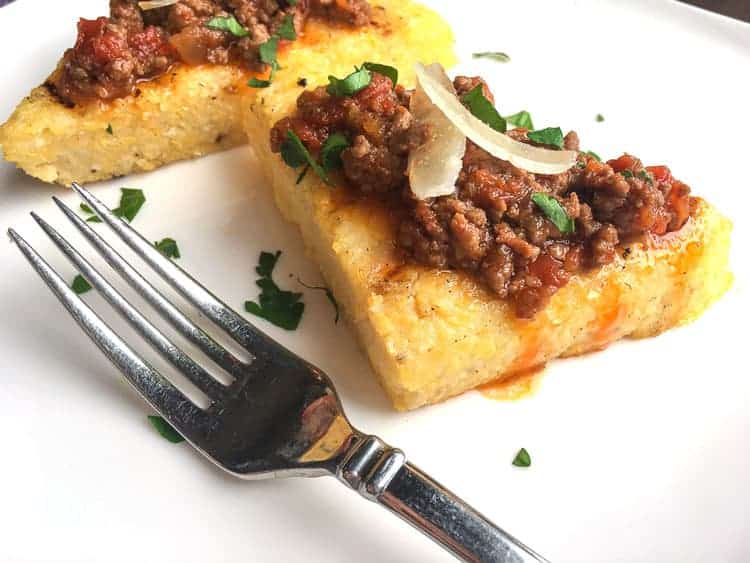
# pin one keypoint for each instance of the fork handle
(381, 474)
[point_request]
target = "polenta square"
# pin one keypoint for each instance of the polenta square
(432, 330)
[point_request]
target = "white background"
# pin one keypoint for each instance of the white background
(640, 452)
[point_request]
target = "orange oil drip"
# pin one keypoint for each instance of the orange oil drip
(517, 386)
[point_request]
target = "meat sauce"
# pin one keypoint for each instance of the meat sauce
(112, 54)
(490, 227)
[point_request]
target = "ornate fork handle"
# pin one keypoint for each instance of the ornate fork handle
(381, 474)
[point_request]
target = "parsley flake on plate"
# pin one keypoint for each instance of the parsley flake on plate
(168, 247)
(521, 119)
(351, 84)
(554, 212)
(165, 429)
(522, 459)
(599, 118)
(228, 24)
(279, 307)
(329, 295)
(481, 108)
(131, 201)
(549, 136)
(80, 285)
(492, 55)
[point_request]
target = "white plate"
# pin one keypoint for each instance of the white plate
(640, 452)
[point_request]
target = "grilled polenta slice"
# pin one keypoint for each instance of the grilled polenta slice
(189, 112)
(195, 110)
(431, 334)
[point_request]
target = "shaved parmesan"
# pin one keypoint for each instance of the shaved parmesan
(153, 4)
(435, 164)
(534, 159)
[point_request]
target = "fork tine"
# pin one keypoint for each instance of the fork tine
(221, 314)
(164, 397)
(156, 339)
(163, 306)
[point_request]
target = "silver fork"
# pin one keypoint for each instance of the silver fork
(279, 417)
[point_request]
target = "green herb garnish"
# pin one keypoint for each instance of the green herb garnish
(493, 55)
(80, 285)
(286, 29)
(521, 119)
(109, 129)
(292, 2)
(481, 108)
(627, 173)
(168, 247)
(280, 307)
(554, 212)
(165, 429)
(356, 81)
(329, 295)
(646, 177)
(522, 459)
(131, 201)
(258, 83)
(599, 118)
(593, 155)
(268, 52)
(228, 24)
(550, 136)
(295, 154)
(330, 154)
(385, 70)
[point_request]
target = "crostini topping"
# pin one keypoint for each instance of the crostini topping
(351, 84)
(141, 41)
(522, 234)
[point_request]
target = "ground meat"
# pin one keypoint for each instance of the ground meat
(490, 227)
(113, 54)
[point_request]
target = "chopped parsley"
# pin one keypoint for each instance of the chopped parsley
(646, 177)
(80, 285)
(280, 307)
(521, 119)
(481, 108)
(292, 2)
(131, 201)
(109, 129)
(258, 83)
(549, 136)
(599, 118)
(286, 29)
(351, 84)
(593, 155)
(330, 154)
(168, 247)
(228, 24)
(554, 212)
(329, 295)
(268, 52)
(295, 154)
(492, 55)
(165, 429)
(522, 459)
(385, 70)
(627, 173)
